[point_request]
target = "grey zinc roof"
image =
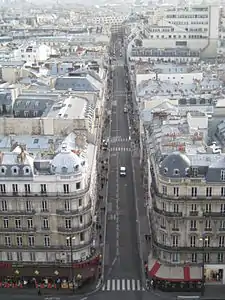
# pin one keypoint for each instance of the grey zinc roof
(81, 84)
(173, 163)
(11, 166)
(5, 97)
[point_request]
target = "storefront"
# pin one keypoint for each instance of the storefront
(175, 278)
(215, 273)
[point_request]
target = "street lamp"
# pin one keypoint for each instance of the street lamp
(203, 239)
(71, 238)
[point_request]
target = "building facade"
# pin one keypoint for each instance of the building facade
(187, 202)
(46, 204)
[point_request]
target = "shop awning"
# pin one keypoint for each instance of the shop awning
(173, 273)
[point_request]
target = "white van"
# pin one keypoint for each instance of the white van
(123, 171)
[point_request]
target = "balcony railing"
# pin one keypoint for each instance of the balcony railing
(75, 229)
(18, 230)
(17, 212)
(187, 248)
(75, 211)
(167, 213)
(77, 193)
(46, 248)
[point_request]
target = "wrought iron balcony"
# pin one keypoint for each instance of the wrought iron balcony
(74, 211)
(18, 230)
(75, 229)
(17, 212)
(167, 213)
(187, 248)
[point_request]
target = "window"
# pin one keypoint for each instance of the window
(222, 192)
(207, 224)
(222, 208)
(19, 256)
(15, 170)
(81, 237)
(66, 188)
(222, 175)
(163, 222)
(19, 240)
(176, 172)
(67, 205)
(193, 241)
(28, 206)
(4, 205)
(80, 202)
(15, 188)
(31, 240)
(193, 225)
(81, 219)
(206, 257)
(164, 190)
(27, 188)
(222, 225)
(176, 208)
(6, 223)
(26, 170)
(9, 256)
(207, 241)
(2, 188)
(176, 191)
(208, 208)
(221, 241)
(78, 185)
(209, 192)
(193, 207)
(163, 206)
(44, 205)
(7, 240)
(45, 223)
(68, 223)
(194, 257)
(175, 224)
(195, 172)
(43, 189)
(194, 191)
(32, 256)
(174, 240)
(68, 242)
(175, 257)
(17, 223)
(47, 241)
(220, 257)
(29, 223)
(3, 170)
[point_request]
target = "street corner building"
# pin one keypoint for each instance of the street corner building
(46, 212)
(186, 201)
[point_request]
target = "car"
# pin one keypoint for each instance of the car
(123, 172)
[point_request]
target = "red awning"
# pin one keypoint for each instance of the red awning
(187, 276)
(173, 273)
(154, 269)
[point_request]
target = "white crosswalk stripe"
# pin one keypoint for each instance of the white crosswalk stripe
(115, 139)
(120, 149)
(125, 285)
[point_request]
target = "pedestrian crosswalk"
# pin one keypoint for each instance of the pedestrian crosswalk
(120, 149)
(115, 139)
(124, 285)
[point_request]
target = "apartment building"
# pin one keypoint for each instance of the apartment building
(178, 34)
(47, 206)
(186, 199)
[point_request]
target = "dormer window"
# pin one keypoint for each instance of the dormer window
(76, 167)
(176, 172)
(165, 170)
(83, 163)
(26, 170)
(15, 170)
(64, 170)
(3, 170)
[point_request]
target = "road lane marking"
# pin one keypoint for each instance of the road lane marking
(123, 284)
(128, 284)
(118, 285)
(133, 285)
(113, 285)
(138, 285)
(108, 285)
